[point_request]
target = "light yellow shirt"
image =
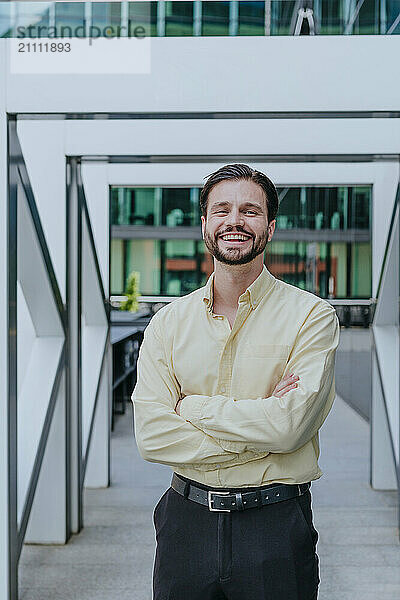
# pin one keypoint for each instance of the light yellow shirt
(232, 432)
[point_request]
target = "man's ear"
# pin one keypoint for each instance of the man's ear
(271, 229)
(203, 225)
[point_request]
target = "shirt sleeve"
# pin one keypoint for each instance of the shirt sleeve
(272, 424)
(162, 435)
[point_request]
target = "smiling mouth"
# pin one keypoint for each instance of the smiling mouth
(235, 238)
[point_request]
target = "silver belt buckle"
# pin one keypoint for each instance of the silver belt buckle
(210, 501)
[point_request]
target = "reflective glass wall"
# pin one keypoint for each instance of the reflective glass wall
(194, 18)
(321, 241)
(300, 207)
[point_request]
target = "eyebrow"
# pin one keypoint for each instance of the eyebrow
(245, 204)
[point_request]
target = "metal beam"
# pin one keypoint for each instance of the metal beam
(147, 232)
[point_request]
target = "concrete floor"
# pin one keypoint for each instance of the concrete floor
(113, 555)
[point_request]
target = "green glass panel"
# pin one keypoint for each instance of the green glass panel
(143, 14)
(31, 20)
(360, 207)
(367, 22)
(309, 265)
(361, 270)
(5, 20)
(290, 209)
(178, 18)
(215, 18)
(135, 206)
(70, 19)
(106, 19)
(180, 249)
(180, 267)
(117, 267)
(331, 17)
(251, 18)
(144, 256)
(339, 269)
(282, 16)
(391, 14)
(336, 208)
(178, 207)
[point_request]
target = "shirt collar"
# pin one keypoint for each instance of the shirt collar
(254, 293)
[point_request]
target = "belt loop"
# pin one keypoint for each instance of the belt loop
(259, 498)
(186, 490)
(239, 501)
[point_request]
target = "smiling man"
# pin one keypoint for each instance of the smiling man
(234, 383)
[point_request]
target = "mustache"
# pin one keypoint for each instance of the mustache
(235, 231)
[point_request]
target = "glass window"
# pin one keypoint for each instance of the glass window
(287, 261)
(360, 202)
(361, 270)
(324, 208)
(251, 18)
(339, 270)
(70, 19)
(181, 267)
(391, 14)
(179, 207)
(186, 267)
(291, 209)
(367, 21)
(5, 19)
(155, 206)
(106, 17)
(117, 267)
(323, 267)
(136, 206)
(178, 18)
(143, 14)
(144, 256)
(282, 19)
(31, 19)
(176, 267)
(331, 17)
(215, 18)
(166, 267)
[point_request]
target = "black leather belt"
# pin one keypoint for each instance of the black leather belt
(226, 501)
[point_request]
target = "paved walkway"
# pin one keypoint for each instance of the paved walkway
(113, 556)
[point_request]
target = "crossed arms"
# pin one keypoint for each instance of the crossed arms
(216, 431)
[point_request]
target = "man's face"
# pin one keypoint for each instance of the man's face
(236, 207)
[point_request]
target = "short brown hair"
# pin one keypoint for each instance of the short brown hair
(240, 171)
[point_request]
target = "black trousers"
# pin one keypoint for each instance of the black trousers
(266, 553)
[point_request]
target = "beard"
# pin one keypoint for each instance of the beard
(235, 256)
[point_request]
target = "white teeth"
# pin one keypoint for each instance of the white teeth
(234, 237)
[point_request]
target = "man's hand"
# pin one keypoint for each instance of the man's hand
(286, 384)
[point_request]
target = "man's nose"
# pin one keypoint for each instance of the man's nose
(235, 217)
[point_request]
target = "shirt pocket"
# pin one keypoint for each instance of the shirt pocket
(277, 351)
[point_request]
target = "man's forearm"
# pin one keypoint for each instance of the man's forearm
(275, 424)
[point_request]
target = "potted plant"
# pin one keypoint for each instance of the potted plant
(132, 292)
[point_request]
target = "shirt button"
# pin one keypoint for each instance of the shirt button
(223, 389)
